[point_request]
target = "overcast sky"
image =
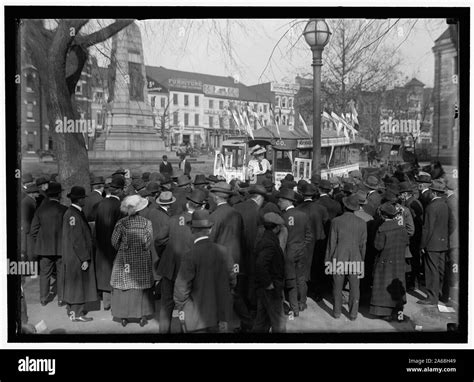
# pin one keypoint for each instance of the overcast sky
(178, 44)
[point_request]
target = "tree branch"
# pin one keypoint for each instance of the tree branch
(102, 34)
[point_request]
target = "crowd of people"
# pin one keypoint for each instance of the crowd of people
(213, 252)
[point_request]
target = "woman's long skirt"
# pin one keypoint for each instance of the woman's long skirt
(132, 303)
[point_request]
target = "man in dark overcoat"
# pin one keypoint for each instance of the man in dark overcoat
(28, 208)
(435, 245)
(165, 166)
(46, 230)
(79, 271)
(183, 190)
(249, 210)
(180, 241)
(424, 182)
(318, 218)
(374, 199)
(334, 208)
(107, 215)
(43, 184)
(346, 245)
(227, 231)
(299, 238)
(203, 288)
(94, 198)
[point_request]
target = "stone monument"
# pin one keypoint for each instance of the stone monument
(129, 133)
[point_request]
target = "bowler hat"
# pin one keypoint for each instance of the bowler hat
(54, 189)
(183, 180)
(372, 182)
(32, 188)
(77, 192)
(351, 202)
(117, 182)
(423, 177)
(405, 187)
(308, 189)
(200, 179)
(200, 219)
(388, 210)
(197, 196)
(286, 193)
(289, 177)
(290, 184)
(166, 197)
(273, 218)
(41, 180)
(325, 185)
(222, 188)
(97, 180)
(438, 186)
(138, 184)
(258, 189)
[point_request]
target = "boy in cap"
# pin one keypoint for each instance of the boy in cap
(270, 277)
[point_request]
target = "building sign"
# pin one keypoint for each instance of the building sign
(183, 83)
(284, 144)
(153, 85)
(305, 143)
(396, 126)
(220, 113)
(222, 91)
(284, 88)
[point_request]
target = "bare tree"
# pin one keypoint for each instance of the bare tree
(59, 52)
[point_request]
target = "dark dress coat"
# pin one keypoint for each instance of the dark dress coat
(435, 233)
(203, 287)
(28, 208)
(166, 168)
(79, 286)
(347, 239)
(299, 238)
(388, 289)
(107, 215)
(46, 228)
(318, 217)
(227, 230)
(334, 208)
(180, 241)
(374, 199)
(91, 203)
(181, 193)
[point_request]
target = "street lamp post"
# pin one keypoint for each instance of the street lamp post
(316, 34)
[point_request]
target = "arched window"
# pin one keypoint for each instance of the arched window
(290, 102)
(283, 102)
(277, 101)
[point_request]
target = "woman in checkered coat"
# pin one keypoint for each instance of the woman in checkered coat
(132, 276)
(388, 290)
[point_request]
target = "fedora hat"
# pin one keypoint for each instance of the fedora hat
(325, 185)
(351, 202)
(200, 219)
(77, 192)
(133, 204)
(153, 188)
(390, 196)
(348, 187)
(394, 188)
(405, 187)
(438, 186)
(273, 218)
(40, 181)
(290, 184)
(258, 189)
(268, 184)
(222, 187)
(117, 182)
(286, 193)
(197, 196)
(308, 189)
(388, 210)
(423, 177)
(146, 176)
(31, 188)
(362, 195)
(200, 179)
(97, 180)
(183, 180)
(138, 184)
(166, 197)
(451, 184)
(213, 178)
(372, 182)
(54, 189)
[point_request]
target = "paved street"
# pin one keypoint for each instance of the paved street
(317, 318)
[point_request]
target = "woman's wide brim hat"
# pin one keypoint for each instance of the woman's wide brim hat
(133, 204)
